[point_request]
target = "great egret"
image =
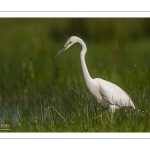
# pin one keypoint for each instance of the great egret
(107, 94)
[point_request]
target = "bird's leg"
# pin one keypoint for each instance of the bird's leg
(111, 108)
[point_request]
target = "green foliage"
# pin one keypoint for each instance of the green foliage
(39, 93)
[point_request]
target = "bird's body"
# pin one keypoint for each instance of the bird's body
(107, 94)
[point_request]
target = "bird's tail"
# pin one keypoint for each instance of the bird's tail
(131, 104)
(137, 110)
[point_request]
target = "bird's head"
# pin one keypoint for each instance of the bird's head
(69, 43)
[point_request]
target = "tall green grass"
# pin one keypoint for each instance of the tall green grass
(39, 93)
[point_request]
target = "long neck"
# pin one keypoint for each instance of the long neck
(86, 74)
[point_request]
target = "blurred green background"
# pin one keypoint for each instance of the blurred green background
(28, 48)
(118, 51)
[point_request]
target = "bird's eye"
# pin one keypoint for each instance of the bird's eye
(67, 44)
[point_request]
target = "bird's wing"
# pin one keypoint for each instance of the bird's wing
(114, 94)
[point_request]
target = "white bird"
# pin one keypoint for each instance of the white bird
(107, 94)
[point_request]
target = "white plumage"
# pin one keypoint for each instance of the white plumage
(104, 92)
